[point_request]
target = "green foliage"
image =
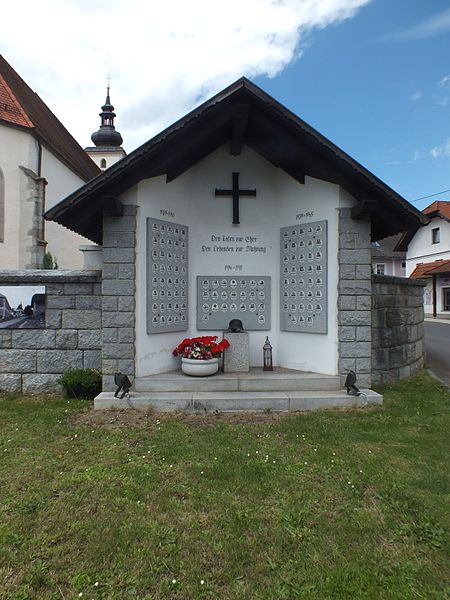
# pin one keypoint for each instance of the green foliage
(49, 262)
(81, 383)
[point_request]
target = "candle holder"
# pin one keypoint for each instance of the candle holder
(267, 356)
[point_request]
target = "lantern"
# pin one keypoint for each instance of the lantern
(267, 356)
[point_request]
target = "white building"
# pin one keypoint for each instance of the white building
(386, 260)
(238, 210)
(428, 257)
(40, 163)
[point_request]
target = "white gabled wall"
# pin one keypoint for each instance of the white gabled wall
(17, 148)
(192, 202)
(420, 248)
(19, 152)
(63, 244)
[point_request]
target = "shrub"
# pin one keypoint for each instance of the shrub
(81, 383)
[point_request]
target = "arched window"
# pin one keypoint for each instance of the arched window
(103, 163)
(2, 207)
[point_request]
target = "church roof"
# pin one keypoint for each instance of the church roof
(240, 114)
(21, 107)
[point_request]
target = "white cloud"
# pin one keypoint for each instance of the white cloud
(417, 96)
(445, 82)
(164, 58)
(437, 24)
(441, 151)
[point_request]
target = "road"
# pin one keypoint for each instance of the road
(437, 347)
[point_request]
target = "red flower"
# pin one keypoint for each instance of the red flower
(201, 348)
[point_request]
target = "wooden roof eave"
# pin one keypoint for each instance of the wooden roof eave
(337, 166)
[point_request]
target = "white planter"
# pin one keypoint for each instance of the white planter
(199, 368)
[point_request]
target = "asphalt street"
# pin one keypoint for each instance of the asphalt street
(437, 347)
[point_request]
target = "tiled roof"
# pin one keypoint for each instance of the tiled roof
(385, 248)
(20, 106)
(424, 270)
(10, 109)
(439, 206)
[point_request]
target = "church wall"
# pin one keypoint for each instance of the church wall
(17, 148)
(62, 243)
(280, 201)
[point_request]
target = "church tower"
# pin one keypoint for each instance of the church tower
(108, 142)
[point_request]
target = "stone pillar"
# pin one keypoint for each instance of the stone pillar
(354, 298)
(118, 295)
(236, 358)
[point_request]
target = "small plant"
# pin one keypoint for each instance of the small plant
(49, 262)
(81, 383)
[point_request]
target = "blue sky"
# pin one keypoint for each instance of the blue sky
(371, 75)
(375, 85)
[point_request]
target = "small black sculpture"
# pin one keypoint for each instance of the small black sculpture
(123, 383)
(235, 326)
(350, 381)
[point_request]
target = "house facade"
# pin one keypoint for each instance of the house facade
(386, 260)
(428, 257)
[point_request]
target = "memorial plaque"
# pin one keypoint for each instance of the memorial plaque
(304, 278)
(167, 276)
(221, 298)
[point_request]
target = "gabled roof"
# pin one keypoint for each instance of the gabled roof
(240, 114)
(437, 267)
(386, 248)
(439, 209)
(21, 107)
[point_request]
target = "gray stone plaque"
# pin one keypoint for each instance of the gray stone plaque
(304, 278)
(167, 276)
(221, 298)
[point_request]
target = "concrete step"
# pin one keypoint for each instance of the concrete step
(256, 380)
(238, 401)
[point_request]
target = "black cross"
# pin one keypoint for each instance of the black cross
(236, 193)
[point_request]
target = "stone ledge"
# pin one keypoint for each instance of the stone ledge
(41, 276)
(238, 401)
(398, 280)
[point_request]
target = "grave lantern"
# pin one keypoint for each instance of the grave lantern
(267, 356)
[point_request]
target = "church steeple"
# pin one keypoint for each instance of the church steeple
(107, 134)
(108, 142)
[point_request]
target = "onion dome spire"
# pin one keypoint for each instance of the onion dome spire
(107, 134)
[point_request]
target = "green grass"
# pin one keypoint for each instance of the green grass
(317, 506)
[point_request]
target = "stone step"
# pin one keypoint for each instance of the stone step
(238, 401)
(255, 380)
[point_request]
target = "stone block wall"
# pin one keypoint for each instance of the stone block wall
(118, 295)
(31, 360)
(354, 298)
(398, 348)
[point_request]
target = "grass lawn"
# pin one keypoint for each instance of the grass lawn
(318, 506)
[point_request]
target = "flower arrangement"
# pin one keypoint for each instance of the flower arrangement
(201, 348)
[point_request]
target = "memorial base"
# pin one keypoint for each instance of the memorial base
(236, 358)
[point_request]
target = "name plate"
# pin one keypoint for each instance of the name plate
(167, 276)
(304, 278)
(222, 298)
